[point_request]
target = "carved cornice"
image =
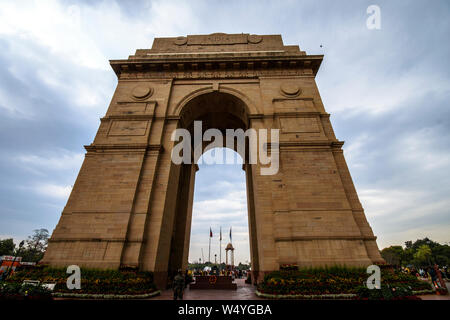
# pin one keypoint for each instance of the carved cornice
(295, 145)
(136, 147)
(310, 238)
(218, 65)
(128, 117)
(59, 239)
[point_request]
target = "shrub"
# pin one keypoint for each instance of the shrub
(386, 293)
(289, 267)
(93, 281)
(333, 280)
(19, 291)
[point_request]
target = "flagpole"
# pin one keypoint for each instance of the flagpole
(231, 237)
(220, 251)
(210, 236)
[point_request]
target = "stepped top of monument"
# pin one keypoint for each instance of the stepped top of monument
(218, 51)
(218, 43)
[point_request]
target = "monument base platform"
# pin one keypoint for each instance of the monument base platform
(213, 282)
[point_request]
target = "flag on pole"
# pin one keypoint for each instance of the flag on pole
(210, 232)
(220, 243)
(231, 239)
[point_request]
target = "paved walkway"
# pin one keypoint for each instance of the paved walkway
(435, 296)
(244, 292)
(247, 292)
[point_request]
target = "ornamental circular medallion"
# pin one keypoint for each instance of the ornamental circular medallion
(254, 38)
(180, 41)
(142, 92)
(290, 89)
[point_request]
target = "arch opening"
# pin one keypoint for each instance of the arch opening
(220, 203)
(221, 111)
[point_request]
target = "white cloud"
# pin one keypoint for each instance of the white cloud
(354, 152)
(14, 106)
(423, 150)
(400, 215)
(225, 206)
(172, 18)
(63, 160)
(388, 202)
(53, 190)
(52, 25)
(16, 239)
(436, 232)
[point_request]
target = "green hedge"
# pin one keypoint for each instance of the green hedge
(387, 292)
(334, 280)
(93, 281)
(14, 290)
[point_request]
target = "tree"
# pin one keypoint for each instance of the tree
(441, 260)
(423, 254)
(408, 244)
(243, 266)
(7, 247)
(425, 241)
(408, 256)
(36, 245)
(393, 255)
(440, 253)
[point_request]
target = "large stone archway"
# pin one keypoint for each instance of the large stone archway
(132, 206)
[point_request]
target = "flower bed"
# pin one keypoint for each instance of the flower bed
(339, 296)
(106, 296)
(93, 281)
(17, 291)
(337, 282)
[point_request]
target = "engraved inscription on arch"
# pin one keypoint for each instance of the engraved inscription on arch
(135, 108)
(299, 125)
(128, 128)
(217, 38)
(297, 105)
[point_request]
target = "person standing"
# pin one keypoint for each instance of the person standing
(186, 278)
(433, 276)
(178, 285)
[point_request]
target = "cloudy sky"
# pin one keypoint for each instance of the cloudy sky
(387, 91)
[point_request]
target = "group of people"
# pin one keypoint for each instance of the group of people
(235, 274)
(431, 272)
(181, 281)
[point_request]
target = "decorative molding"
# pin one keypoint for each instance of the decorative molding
(137, 146)
(290, 89)
(179, 41)
(60, 239)
(309, 238)
(141, 92)
(254, 38)
(125, 117)
(212, 74)
(292, 98)
(307, 144)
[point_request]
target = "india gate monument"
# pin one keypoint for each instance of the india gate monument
(131, 205)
